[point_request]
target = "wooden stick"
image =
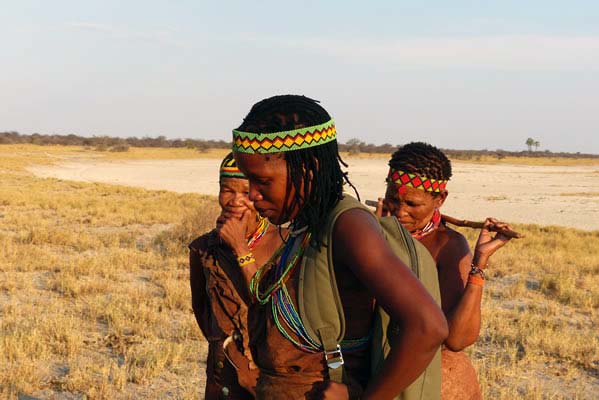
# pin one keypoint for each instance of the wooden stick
(465, 223)
(462, 222)
(479, 225)
(371, 203)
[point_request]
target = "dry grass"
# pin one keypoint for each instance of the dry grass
(532, 161)
(18, 156)
(540, 333)
(487, 159)
(49, 154)
(94, 293)
(94, 297)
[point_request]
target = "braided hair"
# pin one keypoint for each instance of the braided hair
(422, 159)
(317, 169)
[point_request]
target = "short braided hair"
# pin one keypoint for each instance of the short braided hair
(422, 159)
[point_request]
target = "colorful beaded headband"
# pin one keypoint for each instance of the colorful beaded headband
(402, 178)
(302, 138)
(228, 168)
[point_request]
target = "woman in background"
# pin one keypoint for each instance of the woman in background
(221, 262)
(416, 190)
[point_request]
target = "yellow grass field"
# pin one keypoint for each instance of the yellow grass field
(95, 302)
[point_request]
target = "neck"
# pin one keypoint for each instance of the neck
(430, 226)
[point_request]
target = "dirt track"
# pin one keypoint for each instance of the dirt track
(564, 196)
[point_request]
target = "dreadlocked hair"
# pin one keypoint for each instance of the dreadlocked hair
(422, 159)
(317, 169)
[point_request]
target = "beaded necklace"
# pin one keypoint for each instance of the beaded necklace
(282, 272)
(258, 233)
(432, 226)
(283, 309)
(284, 312)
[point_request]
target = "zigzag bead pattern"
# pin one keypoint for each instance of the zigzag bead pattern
(302, 138)
(403, 178)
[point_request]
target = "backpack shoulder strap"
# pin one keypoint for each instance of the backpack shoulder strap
(394, 230)
(428, 385)
(319, 303)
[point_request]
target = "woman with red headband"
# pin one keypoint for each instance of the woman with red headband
(416, 189)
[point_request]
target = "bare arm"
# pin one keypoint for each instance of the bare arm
(464, 320)
(360, 246)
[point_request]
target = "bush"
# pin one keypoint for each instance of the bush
(120, 148)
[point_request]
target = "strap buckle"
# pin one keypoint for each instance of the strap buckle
(334, 358)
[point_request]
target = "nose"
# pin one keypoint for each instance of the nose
(239, 198)
(402, 211)
(254, 194)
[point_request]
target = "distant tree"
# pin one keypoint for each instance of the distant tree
(387, 148)
(537, 144)
(354, 146)
(530, 142)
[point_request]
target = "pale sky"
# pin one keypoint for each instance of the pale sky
(458, 74)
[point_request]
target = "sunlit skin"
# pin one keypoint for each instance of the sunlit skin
(239, 220)
(414, 208)
(268, 186)
(361, 250)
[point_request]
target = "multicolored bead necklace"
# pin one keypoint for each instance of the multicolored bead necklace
(258, 233)
(284, 312)
(282, 270)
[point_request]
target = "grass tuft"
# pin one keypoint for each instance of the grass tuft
(95, 303)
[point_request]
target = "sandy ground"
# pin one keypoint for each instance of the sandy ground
(544, 195)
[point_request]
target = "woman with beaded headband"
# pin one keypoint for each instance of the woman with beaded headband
(220, 263)
(287, 148)
(416, 189)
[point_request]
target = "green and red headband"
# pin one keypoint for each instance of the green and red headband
(407, 179)
(276, 142)
(228, 168)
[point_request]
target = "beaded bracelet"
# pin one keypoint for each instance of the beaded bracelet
(247, 259)
(476, 276)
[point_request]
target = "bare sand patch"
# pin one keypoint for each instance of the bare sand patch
(544, 195)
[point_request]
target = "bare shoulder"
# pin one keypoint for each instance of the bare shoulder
(453, 238)
(453, 246)
(354, 226)
(358, 240)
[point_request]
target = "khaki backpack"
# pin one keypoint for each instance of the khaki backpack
(322, 314)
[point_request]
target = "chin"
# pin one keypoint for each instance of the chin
(276, 220)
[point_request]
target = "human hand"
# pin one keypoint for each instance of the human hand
(486, 244)
(381, 209)
(233, 230)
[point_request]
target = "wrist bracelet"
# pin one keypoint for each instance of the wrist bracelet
(476, 280)
(245, 260)
(474, 271)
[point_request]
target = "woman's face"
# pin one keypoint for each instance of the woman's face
(233, 196)
(267, 175)
(414, 208)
